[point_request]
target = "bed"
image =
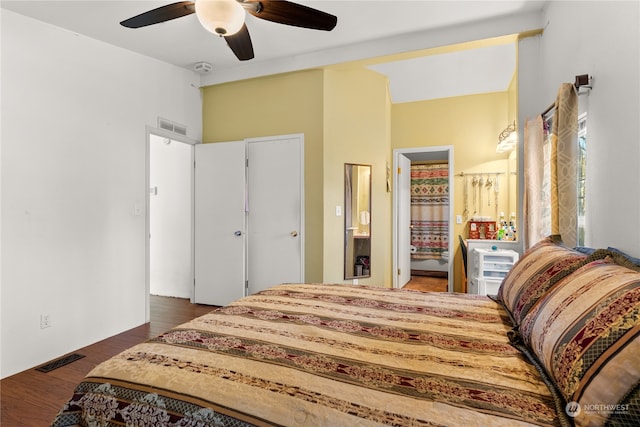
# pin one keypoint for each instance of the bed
(305, 354)
(558, 345)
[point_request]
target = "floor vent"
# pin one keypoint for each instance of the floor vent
(55, 364)
(172, 126)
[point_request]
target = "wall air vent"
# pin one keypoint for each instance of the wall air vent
(172, 126)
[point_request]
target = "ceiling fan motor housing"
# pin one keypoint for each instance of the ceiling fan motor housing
(221, 17)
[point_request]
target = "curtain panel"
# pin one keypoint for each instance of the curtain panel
(564, 158)
(550, 163)
(537, 185)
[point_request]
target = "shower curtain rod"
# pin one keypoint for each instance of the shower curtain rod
(430, 162)
(583, 80)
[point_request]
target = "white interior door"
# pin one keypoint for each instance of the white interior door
(404, 220)
(220, 222)
(275, 218)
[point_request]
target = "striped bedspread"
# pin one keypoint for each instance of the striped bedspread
(323, 355)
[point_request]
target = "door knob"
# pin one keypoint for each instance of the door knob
(238, 233)
(294, 233)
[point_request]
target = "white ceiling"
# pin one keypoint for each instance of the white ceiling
(466, 72)
(184, 42)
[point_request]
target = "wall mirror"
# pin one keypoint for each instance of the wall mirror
(357, 221)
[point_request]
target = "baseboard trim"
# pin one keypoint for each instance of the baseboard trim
(430, 273)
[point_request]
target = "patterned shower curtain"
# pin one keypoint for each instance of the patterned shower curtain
(429, 210)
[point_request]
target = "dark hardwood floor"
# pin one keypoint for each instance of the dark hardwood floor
(32, 398)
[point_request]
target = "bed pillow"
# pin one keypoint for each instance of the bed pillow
(585, 332)
(584, 249)
(535, 273)
(633, 260)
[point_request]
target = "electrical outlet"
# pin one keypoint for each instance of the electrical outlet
(45, 321)
(458, 219)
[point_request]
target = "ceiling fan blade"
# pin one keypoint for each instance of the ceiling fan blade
(160, 14)
(240, 44)
(289, 13)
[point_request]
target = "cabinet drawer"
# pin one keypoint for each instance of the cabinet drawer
(480, 286)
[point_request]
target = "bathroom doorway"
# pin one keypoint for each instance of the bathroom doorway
(422, 245)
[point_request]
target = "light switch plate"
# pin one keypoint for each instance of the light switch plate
(458, 219)
(338, 210)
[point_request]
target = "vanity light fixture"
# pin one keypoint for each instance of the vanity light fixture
(507, 139)
(221, 17)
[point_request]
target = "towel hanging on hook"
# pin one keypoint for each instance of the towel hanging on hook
(480, 185)
(465, 212)
(488, 185)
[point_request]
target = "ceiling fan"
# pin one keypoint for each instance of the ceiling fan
(226, 18)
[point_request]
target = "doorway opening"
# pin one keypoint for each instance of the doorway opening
(172, 247)
(169, 218)
(423, 216)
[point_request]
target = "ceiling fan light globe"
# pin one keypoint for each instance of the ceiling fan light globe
(221, 17)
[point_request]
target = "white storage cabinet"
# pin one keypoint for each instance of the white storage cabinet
(488, 268)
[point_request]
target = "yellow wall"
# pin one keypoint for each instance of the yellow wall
(471, 124)
(346, 117)
(277, 105)
(357, 117)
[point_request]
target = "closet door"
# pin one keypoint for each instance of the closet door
(275, 218)
(220, 222)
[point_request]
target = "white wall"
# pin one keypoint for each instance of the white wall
(170, 218)
(74, 112)
(603, 40)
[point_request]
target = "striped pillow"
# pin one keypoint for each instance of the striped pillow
(535, 273)
(585, 332)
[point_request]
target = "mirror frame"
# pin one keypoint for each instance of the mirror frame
(356, 244)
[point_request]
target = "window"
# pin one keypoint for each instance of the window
(581, 171)
(581, 176)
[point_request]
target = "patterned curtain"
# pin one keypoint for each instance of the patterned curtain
(550, 159)
(429, 210)
(564, 159)
(537, 183)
